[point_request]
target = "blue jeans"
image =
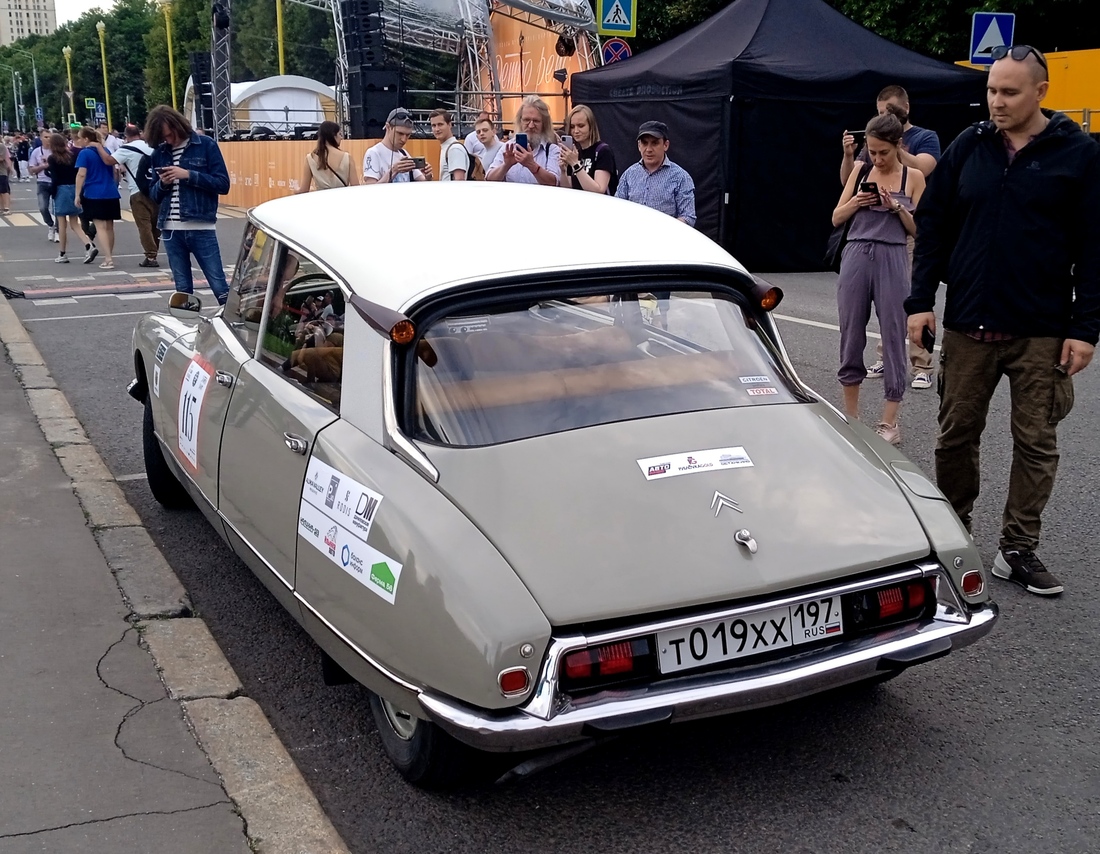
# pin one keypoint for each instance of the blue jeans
(181, 244)
(45, 202)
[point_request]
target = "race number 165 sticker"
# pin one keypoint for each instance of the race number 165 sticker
(195, 383)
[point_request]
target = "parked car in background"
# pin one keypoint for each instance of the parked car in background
(529, 495)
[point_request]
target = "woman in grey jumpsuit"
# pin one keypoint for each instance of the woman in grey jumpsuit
(875, 268)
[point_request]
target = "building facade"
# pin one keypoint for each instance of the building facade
(21, 18)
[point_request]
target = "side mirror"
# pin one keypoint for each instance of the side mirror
(184, 306)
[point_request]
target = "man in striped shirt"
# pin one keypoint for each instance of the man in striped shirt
(190, 175)
(655, 181)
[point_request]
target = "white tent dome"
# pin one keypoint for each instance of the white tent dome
(281, 103)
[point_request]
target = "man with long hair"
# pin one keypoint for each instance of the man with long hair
(537, 162)
(190, 175)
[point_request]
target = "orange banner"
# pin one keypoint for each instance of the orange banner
(264, 170)
(526, 60)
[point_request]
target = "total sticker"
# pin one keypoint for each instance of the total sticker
(196, 381)
(756, 392)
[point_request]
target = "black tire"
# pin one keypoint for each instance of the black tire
(427, 756)
(164, 485)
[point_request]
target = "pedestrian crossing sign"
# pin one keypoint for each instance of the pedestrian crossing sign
(987, 31)
(617, 17)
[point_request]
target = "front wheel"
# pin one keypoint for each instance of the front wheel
(425, 755)
(163, 483)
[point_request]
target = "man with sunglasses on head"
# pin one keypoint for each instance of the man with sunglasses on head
(1008, 222)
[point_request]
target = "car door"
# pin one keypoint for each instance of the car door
(282, 400)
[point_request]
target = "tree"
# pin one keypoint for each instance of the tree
(190, 34)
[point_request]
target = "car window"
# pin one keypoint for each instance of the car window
(549, 366)
(304, 335)
(244, 307)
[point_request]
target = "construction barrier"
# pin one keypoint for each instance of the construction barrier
(268, 169)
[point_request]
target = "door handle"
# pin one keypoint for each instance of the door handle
(295, 443)
(746, 539)
(224, 378)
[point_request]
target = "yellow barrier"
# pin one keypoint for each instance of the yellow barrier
(265, 170)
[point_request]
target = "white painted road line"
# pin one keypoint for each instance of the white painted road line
(831, 326)
(79, 316)
(54, 301)
(139, 296)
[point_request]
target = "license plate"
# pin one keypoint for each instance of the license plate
(750, 634)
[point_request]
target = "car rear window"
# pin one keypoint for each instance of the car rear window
(550, 366)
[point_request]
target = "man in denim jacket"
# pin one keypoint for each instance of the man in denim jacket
(190, 175)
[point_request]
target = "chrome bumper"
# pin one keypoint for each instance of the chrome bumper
(545, 721)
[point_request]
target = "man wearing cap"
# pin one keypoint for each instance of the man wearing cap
(1008, 221)
(388, 162)
(655, 181)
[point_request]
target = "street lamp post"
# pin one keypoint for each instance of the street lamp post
(34, 72)
(20, 109)
(101, 28)
(166, 5)
(67, 52)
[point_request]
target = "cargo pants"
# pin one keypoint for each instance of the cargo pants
(1041, 396)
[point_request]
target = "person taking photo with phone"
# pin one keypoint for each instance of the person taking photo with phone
(587, 163)
(387, 162)
(874, 268)
(532, 157)
(1009, 224)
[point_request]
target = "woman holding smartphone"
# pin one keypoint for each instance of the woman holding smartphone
(586, 162)
(874, 268)
(533, 157)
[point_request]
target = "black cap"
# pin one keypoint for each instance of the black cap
(656, 129)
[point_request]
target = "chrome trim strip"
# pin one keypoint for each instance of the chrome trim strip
(702, 695)
(545, 696)
(397, 680)
(254, 551)
(394, 439)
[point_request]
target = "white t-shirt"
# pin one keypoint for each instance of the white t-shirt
(473, 144)
(380, 159)
(112, 143)
(547, 155)
(454, 158)
(130, 161)
(489, 153)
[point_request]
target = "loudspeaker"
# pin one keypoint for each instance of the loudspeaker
(354, 12)
(201, 75)
(372, 94)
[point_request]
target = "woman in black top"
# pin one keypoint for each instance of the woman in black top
(62, 171)
(588, 164)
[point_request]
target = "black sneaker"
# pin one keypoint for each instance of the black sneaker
(1025, 569)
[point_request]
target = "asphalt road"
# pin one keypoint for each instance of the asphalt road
(991, 749)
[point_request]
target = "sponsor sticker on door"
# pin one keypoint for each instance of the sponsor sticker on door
(693, 462)
(196, 381)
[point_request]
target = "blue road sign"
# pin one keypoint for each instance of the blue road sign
(615, 50)
(617, 17)
(987, 31)
(100, 109)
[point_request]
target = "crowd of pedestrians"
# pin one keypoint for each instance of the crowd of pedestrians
(1006, 221)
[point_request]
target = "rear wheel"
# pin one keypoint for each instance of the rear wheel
(424, 754)
(164, 485)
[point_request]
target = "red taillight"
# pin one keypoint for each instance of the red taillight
(916, 589)
(973, 583)
(890, 602)
(513, 681)
(613, 659)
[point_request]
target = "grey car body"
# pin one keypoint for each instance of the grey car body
(461, 531)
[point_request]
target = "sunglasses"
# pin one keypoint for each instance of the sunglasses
(1018, 52)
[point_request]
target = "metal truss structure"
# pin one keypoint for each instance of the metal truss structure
(464, 31)
(219, 69)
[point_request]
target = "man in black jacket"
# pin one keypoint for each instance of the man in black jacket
(1006, 223)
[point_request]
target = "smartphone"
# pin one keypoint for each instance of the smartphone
(856, 132)
(567, 141)
(420, 162)
(521, 140)
(869, 187)
(927, 339)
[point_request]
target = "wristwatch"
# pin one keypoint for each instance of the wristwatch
(575, 169)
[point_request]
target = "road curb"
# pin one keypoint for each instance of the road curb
(280, 812)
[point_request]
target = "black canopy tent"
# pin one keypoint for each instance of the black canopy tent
(756, 99)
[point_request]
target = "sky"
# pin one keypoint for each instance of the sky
(70, 10)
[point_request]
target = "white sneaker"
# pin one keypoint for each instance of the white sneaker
(56, 238)
(51, 233)
(61, 259)
(876, 370)
(922, 379)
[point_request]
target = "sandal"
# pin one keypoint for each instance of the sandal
(107, 265)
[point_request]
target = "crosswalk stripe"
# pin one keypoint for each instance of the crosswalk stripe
(20, 219)
(129, 217)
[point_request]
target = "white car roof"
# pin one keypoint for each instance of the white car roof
(394, 244)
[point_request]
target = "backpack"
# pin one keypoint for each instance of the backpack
(476, 171)
(144, 175)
